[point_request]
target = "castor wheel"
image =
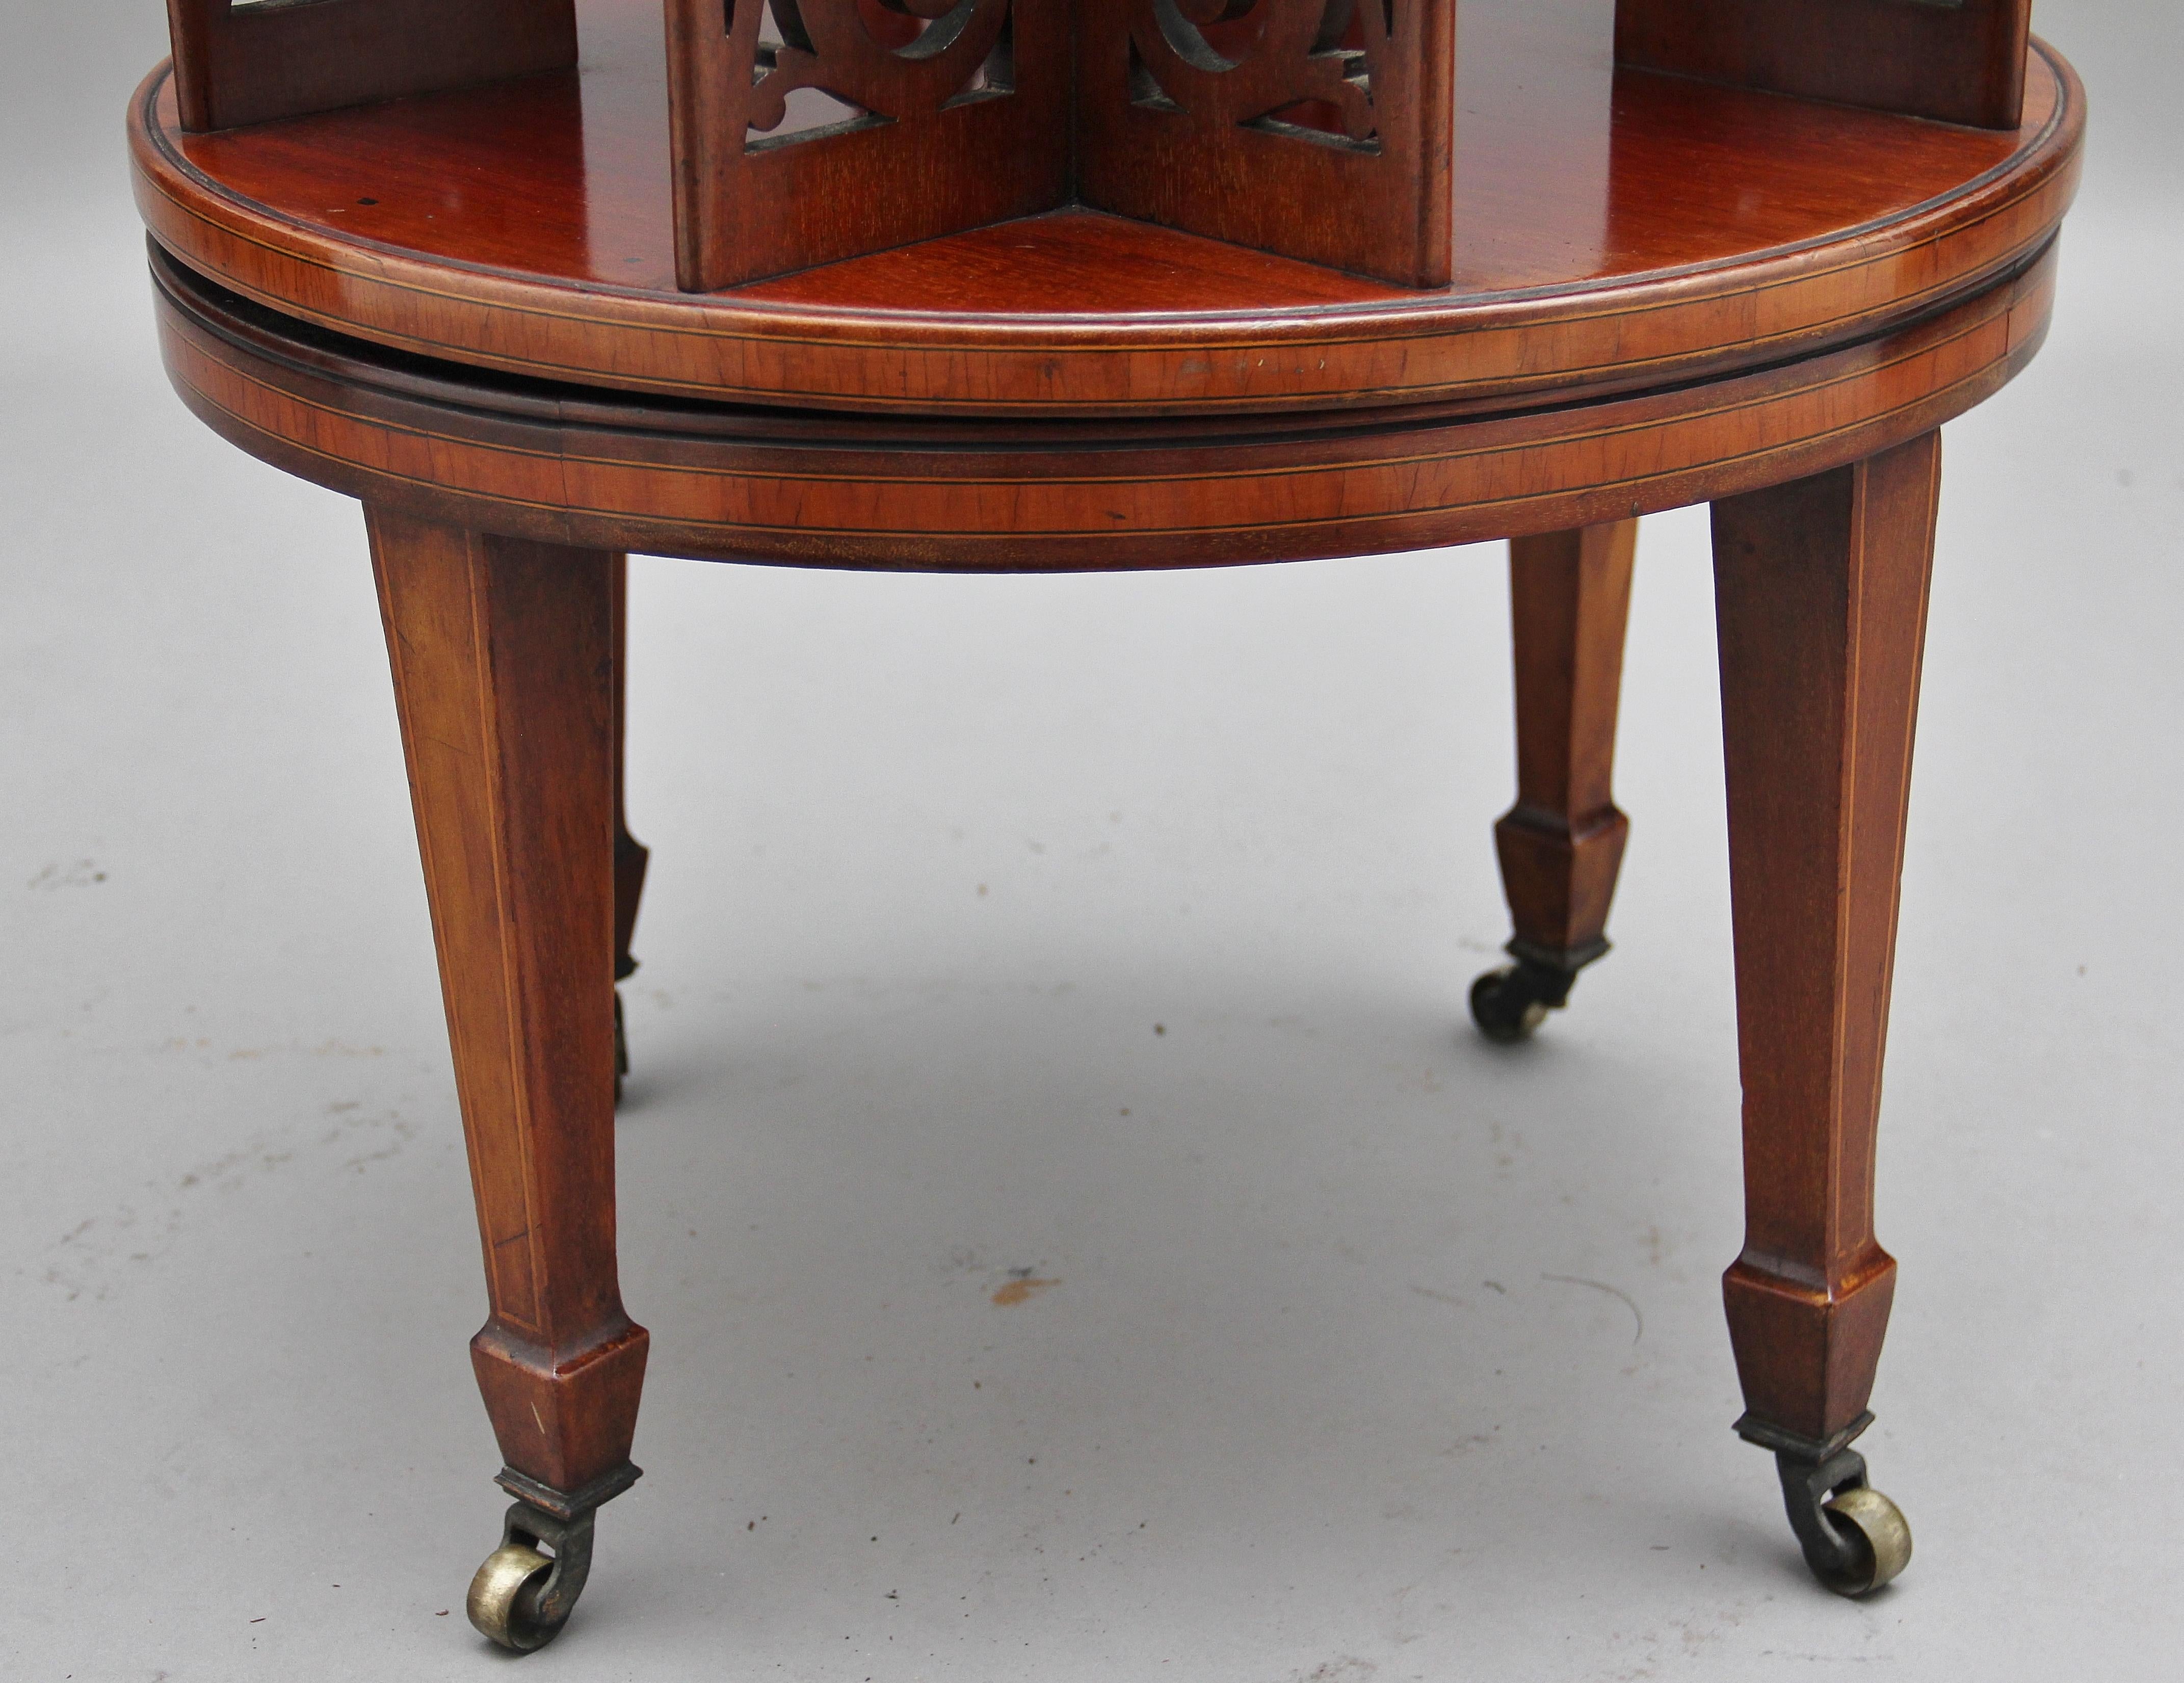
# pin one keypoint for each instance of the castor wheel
(523, 1596)
(1878, 1535)
(1505, 1005)
(1854, 1538)
(1509, 1003)
(504, 1598)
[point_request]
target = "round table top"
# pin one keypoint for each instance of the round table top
(1616, 231)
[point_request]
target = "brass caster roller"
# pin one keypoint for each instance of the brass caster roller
(523, 1596)
(1854, 1538)
(504, 1598)
(1506, 1005)
(1879, 1538)
(1509, 1003)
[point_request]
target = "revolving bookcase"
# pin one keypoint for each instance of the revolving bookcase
(989, 285)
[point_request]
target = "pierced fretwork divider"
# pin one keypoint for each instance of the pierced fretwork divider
(1316, 129)
(963, 124)
(1319, 129)
(1327, 137)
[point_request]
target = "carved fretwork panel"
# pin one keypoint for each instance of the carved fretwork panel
(1319, 129)
(810, 130)
(254, 61)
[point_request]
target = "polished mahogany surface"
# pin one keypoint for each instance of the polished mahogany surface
(256, 64)
(595, 469)
(1958, 61)
(1612, 231)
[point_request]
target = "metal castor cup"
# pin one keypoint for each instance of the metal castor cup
(527, 1589)
(1854, 1538)
(1510, 1002)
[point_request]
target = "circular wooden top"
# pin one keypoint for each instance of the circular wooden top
(1615, 232)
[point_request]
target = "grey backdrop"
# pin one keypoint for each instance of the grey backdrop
(1376, 1353)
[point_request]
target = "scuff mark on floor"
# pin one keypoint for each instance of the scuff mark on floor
(1628, 1301)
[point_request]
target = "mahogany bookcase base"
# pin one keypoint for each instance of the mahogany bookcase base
(508, 689)
(514, 428)
(508, 670)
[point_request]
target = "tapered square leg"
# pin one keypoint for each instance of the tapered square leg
(503, 676)
(1820, 589)
(1561, 844)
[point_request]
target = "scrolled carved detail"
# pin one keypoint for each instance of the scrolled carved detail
(831, 46)
(1245, 62)
(807, 131)
(1316, 129)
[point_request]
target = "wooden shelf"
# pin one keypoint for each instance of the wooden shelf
(1611, 230)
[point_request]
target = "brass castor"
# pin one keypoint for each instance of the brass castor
(1507, 1005)
(523, 1596)
(1512, 1001)
(1879, 1538)
(504, 1597)
(1854, 1538)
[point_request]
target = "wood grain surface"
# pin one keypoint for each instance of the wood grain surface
(1560, 845)
(1610, 233)
(502, 653)
(1820, 588)
(257, 63)
(1191, 156)
(1957, 61)
(754, 198)
(595, 470)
